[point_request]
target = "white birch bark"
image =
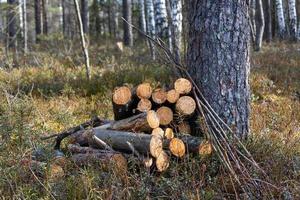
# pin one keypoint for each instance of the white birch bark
(142, 15)
(176, 23)
(293, 19)
(280, 18)
(161, 21)
(151, 25)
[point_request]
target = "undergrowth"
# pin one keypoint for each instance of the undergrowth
(48, 93)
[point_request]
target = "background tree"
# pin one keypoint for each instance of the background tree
(37, 17)
(11, 23)
(292, 19)
(142, 17)
(127, 15)
(161, 22)
(260, 25)
(176, 27)
(45, 16)
(268, 20)
(84, 14)
(151, 25)
(280, 19)
(218, 58)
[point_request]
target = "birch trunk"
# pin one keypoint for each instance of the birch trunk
(151, 25)
(127, 15)
(253, 18)
(218, 58)
(11, 23)
(293, 19)
(25, 28)
(176, 23)
(280, 19)
(161, 22)
(142, 16)
(260, 25)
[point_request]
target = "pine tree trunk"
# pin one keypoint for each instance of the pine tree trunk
(161, 22)
(11, 23)
(84, 15)
(176, 18)
(37, 16)
(293, 19)
(45, 17)
(280, 19)
(253, 19)
(25, 28)
(218, 58)
(268, 21)
(260, 25)
(64, 20)
(127, 15)
(151, 25)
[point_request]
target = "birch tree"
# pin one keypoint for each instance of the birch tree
(127, 15)
(260, 25)
(292, 19)
(142, 16)
(11, 23)
(218, 58)
(161, 22)
(280, 19)
(151, 25)
(24, 25)
(176, 27)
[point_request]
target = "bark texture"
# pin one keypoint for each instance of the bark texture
(268, 21)
(161, 18)
(151, 25)
(38, 19)
(84, 14)
(142, 16)
(127, 15)
(176, 27)
(11, 21)
(218, 58)
(280, 19)
(293, 19)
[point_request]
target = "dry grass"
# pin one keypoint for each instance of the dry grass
(49, 93)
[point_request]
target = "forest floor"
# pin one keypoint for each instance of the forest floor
(48, 93)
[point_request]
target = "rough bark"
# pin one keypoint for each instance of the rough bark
(127, 15)
(84, 15)
(161, 21)
(142, 17)
(218, 58)
(292, 19)
(253, 19)
(280, 19)
(11, 23)
(260, 25)
(38, 19)
(151, 25)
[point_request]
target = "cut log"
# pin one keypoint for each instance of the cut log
(76, 149)
(141, 142)
(162, 161)
(158, 132)
(152, 119)
(124, 103)
(205, 148)
(183, 86)
(177, 147)
(184, 128)
(185, 106)
(144, 105)
(165, 115)
(144, 91)
(169, 134)
(159, 96)
(137, 123)
(156, 146)
(172, 96)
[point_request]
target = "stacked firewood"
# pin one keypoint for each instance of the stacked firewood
(153, 124)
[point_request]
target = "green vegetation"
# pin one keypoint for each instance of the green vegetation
(50, 93)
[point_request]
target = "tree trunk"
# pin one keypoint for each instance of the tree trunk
(25, 30)
(127, 15)
(260, 25)
(83, 43)
(45, 17)
(293, 19)
(253, 19)
(176, 27)
(142, 16)
(84, 14)
(280, 19)
(161, 21)
(64, 20)
(268, 21)
(11, 23)
(115, 19)
(151, 25)
(218, 58)
(37, 16)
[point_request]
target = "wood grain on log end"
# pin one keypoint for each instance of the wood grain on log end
(162, 162)
(156, 146)
(144, 105)
(152, 119)
(205, 148)
(183, 86)
(165, 115)
(172, 96)
(144, 91)
(186, 105)
(159, 96)
(158, 132)
(148, 162)
(122, 95)
(177, 147)
(169, 134)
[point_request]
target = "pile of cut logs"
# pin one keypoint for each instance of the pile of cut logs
(152, 124)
